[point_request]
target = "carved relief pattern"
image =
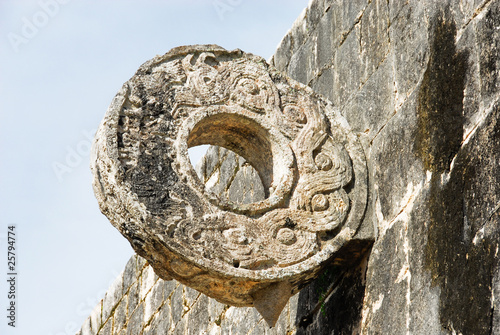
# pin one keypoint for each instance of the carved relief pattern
(231, 99)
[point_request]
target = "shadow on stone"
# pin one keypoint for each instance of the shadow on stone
(332, 303)
(460, 267)
(440, 99)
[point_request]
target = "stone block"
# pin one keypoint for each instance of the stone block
(86, 328)
(161, 323)
(473, 106)
(283, 53)
(348, 68)
(409, 41)
(209, 163)
(298, 32)
(133, 298)
(223, 173)
(168, 287)
(488, 40)
(374, 37)
(237, 320)
(189, 295)
(324, 83)
(216, 310)
(136, 323)
(424, 311)
(177, 304)
(148, 280)
(351, 11)
(141, 264)
(96, 318)
(246, 187)
(120, 315)
(293, 309)
(464, 11)
(180, 327)
(303, 65)
(153, 301)
(198, 317)
(395, 7)
(372, 106)
(130, 273)
(314, 13)
(393, 163)
(326, 32)
(107, 328)
(259, 329)
(332, 303)
(112, 297)
(387, 288)
(462, 237)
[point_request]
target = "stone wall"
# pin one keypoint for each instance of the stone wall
(419, 82)
(139, 302)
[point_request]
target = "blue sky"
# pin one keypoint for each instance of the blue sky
(61, 63)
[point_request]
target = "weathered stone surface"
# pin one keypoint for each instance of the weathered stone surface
(234, 247)
(177, 306)
(428, 119)
(112, 297)
(409, 39)
(306, 57)
(374, 38)
(136, 322)
(347, 77)
(133, 298)
(120, 315)
(488, 38)
(230, 176)
(378, 89)
(107, 328)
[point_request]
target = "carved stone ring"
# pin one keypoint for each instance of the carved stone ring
(311, 165)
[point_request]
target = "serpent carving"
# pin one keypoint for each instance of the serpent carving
(311, 165)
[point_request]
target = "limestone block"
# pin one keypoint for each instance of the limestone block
(136, 321)
(112, 297)
(327, 37)
(347, 78)
(243, 253)
(230, 176)
(303, 62)
(120, 315)
(374, 37)
(133, 298)
(489, 42)
(106, 328)
(129, 273)
(409, 40)
(282, 56)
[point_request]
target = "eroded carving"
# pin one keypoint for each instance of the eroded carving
(311, 166)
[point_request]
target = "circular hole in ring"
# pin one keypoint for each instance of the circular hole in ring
(241, 135)
(227, 175)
